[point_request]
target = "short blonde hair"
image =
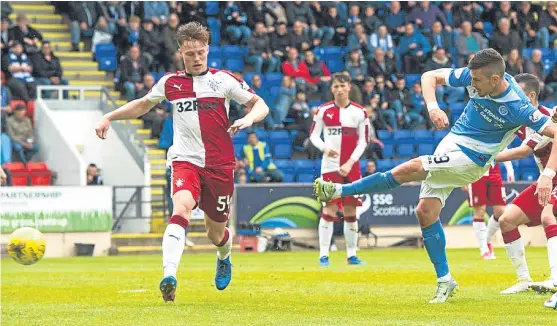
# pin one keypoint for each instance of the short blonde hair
(192, 31)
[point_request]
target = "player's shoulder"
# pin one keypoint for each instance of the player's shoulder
(226, 74)
(324, 107)
(358, 109)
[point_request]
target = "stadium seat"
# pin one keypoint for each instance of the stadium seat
(411, 79)
(384, 165)
(213, 23)
(335, 65)
(402, 136)
(215, 35)
(39, 174)
(215, 63)
(529, 174)
(279, 136)
(282, 151)
(288, 177)
(399, 161)
(457, 107)
(105, 50)
(423, 137)
(363, 164)
(425, 149)
(248, 77)
(389, 151)
(312, 104)
(304, 166)
(317, 164)
(405, 150)
(18, 173)
(232, 52)
(212, 8)
(385, 136)
(305, 177)
(286, 166)
(240, 138)
(527, 52)
(274, 92)
(107, 63)
(215, 52)
(262, 134)
(488, 29)
(439, 135)
(273, 79)
(234, 65)
(527, 163)
(331, 53)
(238, 149)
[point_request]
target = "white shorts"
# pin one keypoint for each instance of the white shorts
(448, 168)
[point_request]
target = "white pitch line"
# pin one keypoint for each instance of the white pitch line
(133, 291)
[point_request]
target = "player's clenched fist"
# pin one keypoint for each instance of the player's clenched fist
(439, 118)
(543, 189)
(102, 128)
(240, 124)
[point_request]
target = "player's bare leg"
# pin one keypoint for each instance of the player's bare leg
(428, 211)
(221, 237)
(328, 216)
(509, 222)
(549, 224)
(173, 242)
(351, 235)
(481, 232)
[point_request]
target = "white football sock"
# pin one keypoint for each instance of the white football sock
(492, 227)
(223, 252)
(552, 256)
(517, 254)
(351, 237)
(173, 242)
(481, 235)
(325, 235)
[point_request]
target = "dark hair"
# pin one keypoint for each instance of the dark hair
(531, 83)
(489, 60)
(192, 31)
(341, 78)
(92, 165)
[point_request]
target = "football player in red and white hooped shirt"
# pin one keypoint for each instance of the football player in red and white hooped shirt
(202, 153)
(346, 131)
(525, 209)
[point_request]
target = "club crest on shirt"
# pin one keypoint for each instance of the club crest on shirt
(214, 84)
(503, 110)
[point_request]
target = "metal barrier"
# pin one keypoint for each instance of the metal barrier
(135, 206)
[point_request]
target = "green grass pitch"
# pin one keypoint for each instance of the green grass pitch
(272, 289)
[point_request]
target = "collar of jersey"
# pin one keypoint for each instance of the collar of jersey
(349, 103)
(201, 74)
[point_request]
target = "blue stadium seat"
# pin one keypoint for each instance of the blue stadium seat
(389, 151)
(215, 52)
(527, 163)
(488, 29)
(107, 63)
(215, 63)
(240, 138)
(385, 136)
(439, 135)
(335, 65)
(363, 164)
(457, 107)
(423, 137)
(105, 50)
(232, 52)
(234, 65)
(212, 8)
(248, 77)
(238, 149)
(286, 166)
(405, 150)
(282, 151)
(527, 52)
(402, 136)
(548, 64)
(411, 79)
(314, 104)
(317, 164)
(274, 92)
(215, 35)
(331, 53)
(288, 177)
(273, 79)
(155, 75)
(384, 165)
(279, 136)
(425, 149)
(529, 174)
(305, 177)
(304, 166)
(293, 134)
(399, 162)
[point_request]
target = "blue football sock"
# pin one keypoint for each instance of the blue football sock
(434, 241)
(376, 182)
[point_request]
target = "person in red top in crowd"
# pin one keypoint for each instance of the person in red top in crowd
(202, 153)
(525, 209)
(291, 66)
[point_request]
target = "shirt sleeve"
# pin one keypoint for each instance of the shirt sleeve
(316, 130)
(459, 77)
(156, 94)
(528, 115)
(237, 89)
(533, 140)
(363, 139)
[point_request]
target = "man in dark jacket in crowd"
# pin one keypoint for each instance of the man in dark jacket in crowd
(47, 69)
(260, 53)
(132, 69)
(84, 16)
(150, 41)
(280, 42)
(25, 34)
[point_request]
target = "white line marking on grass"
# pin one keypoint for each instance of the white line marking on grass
(133, 291)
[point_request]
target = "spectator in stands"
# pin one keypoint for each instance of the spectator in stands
(464, 11)
(132, 69)
(129, 36)
(6, 109)
(424, 15)
(299, 11)
(505, 39)
(383, 40)
(167, 133)
(84, 16)
(134, 8)
(299, 39)
(47, 68)
(468, 42)
(25, 34)
(489, 12)
(400, 101)
(550, 19)
(441, 60)
(257, 86)
(235, 24)
(278, 10)
(354, 17)
(257, 14)
(315, 74)
(534, 36)
(146, 86)
(156, 11)
(192, 11)
(173, 59)
(371, 21)
(413, 116)
(514, 65)
(371, 168)
(381, 64)
(551, 82)
(93, 176)
(115, 15)
(320, 14)
(440, 38)
(22, 84)
(260, 53)
(356, 66)
(358, 40)
(334, 20)
(368, 91)
(6, 41)
(291, 66)
(299, 118)
(414, 48)
(20, 131)
(396, 20)
(535, 67)
(150, 41)
(259, 164)
(287, 94)
(280, 42)
(505, 11)
(7, 10)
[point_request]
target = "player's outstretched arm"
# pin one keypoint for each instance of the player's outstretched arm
(130, 110)
(430, 80)
(258, 111)
(516, 153)
(545, 182)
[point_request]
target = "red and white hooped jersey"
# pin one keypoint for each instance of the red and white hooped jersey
(200, 113)
(346, 130)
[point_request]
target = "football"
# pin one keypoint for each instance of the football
(26, 246)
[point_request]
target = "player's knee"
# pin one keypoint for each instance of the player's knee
(507, 223)
(548, 219)
(426, 215)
